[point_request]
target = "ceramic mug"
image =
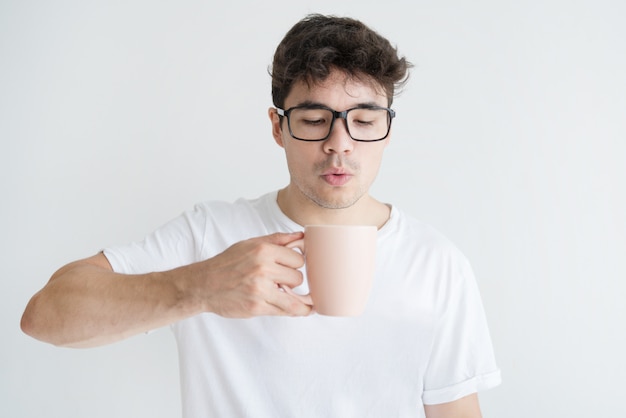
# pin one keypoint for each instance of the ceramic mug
(339, 263)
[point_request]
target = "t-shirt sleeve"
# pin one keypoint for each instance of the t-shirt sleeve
(177, 243)
(462, 361)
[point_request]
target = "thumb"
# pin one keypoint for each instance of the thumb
(283, 238)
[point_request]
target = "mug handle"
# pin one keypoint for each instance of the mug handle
(306, 299)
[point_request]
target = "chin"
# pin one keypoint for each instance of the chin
(336, 202)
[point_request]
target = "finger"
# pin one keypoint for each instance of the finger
(280, 253)
(287, 276)
(289, 257)
(281, 238)
(306, 299)
(289, 303)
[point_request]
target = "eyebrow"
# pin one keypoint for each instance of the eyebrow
(317, 105)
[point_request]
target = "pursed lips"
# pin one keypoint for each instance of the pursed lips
(336, 176)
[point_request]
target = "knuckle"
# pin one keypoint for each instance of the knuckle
(299, 277)
(260, 272)
(253, 286)
(265, 249)
(298, 309)
(253, 307)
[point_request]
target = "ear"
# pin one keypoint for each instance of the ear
(277, 131)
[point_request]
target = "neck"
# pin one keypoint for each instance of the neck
(366, 211)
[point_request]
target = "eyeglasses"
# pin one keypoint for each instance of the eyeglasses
(315, 122)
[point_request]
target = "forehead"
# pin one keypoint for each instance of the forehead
(338, 91)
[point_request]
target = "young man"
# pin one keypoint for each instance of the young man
(247, 348)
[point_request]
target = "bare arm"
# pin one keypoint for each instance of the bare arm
(86, 304)
(467, 407)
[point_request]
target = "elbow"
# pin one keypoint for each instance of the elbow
(29, 322)
(26, 323)
(33, 323)
(36, 323)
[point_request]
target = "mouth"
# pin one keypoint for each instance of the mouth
(336, 177)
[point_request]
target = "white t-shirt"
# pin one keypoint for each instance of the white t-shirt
(423, 338)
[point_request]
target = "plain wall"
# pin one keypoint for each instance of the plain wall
(116, 116)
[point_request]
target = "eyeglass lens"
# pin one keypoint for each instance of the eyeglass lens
(363, 124)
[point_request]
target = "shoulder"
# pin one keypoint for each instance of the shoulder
(422, 247)
(222, 223)
(409, 231)
(220, 209)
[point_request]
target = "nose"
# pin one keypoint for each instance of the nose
(339, 141)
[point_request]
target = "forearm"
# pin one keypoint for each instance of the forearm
(86, 305)
(466, 407)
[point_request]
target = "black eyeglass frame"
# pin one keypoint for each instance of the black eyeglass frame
(337, 115)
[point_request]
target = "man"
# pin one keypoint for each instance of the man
(215, 274)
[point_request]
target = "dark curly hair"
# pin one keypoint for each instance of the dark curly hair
(317, 44)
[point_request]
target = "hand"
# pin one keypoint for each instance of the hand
(248, 278)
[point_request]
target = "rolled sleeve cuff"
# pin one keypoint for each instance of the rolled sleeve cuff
(460, 390)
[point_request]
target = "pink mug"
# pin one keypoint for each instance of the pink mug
(339, 262)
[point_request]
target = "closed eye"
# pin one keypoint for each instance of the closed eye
(314, 122)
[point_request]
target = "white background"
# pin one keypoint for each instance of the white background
(116, 116)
